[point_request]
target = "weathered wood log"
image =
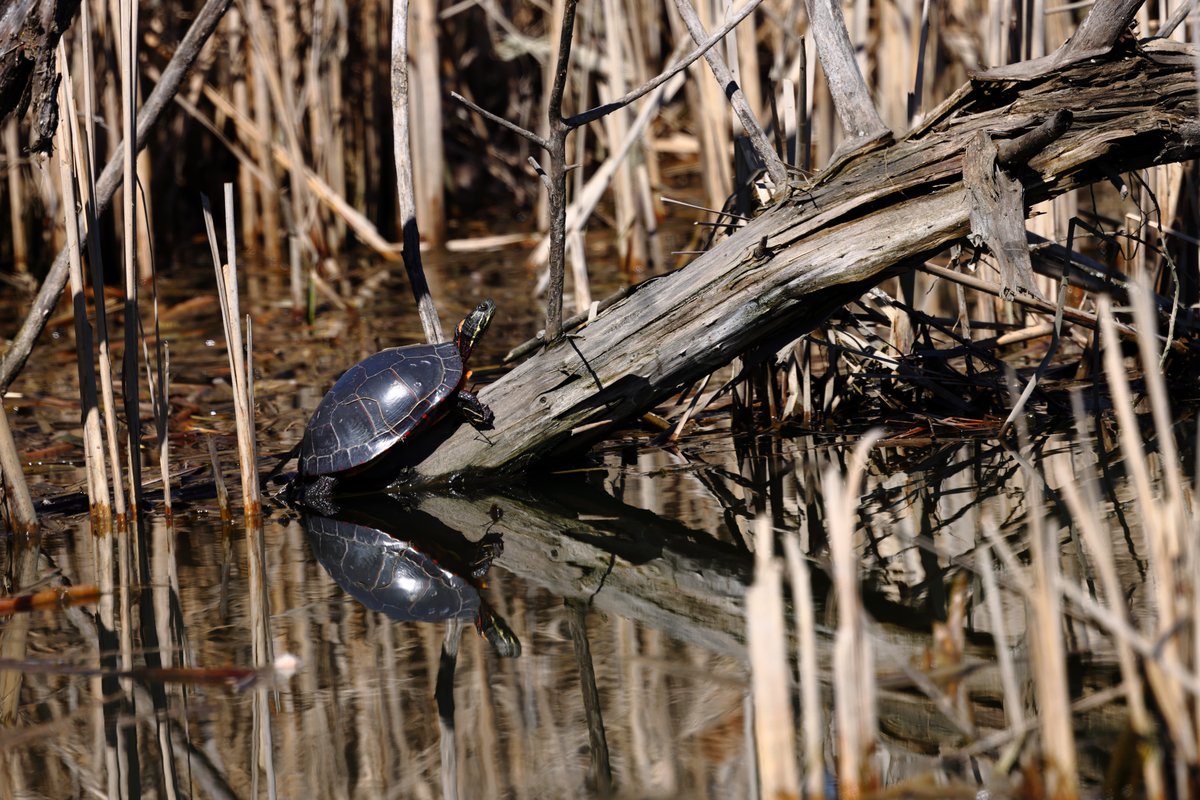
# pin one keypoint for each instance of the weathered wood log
(871, 214)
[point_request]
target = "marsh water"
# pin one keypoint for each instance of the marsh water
(625, 571)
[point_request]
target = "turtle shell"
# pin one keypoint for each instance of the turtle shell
(390, 575)
(377, 404)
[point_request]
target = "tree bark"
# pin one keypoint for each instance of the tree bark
(872, 214)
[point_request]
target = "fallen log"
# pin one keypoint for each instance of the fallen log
(872, 214)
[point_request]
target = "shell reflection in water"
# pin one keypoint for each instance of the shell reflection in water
(410, 566)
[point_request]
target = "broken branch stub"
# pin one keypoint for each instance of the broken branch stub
(998, 199)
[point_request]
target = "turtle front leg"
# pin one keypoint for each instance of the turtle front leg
(475, 412)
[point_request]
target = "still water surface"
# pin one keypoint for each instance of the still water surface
(625, 572)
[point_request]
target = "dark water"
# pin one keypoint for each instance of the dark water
(626, 573)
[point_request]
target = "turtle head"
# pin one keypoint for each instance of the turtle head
(471, 328)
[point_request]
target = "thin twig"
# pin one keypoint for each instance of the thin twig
(502, 122)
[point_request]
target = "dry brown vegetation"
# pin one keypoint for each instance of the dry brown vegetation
(858, 181)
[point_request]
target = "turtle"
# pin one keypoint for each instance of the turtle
(409, 579)
(384, 399)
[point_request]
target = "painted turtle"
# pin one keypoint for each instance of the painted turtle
(409, 580)
(385, 398)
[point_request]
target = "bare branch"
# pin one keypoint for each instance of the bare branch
(1177, 17)
(563, 64)
(502, 122)
(604, 110)
(860, 119)
(758, 137)
(1099, 31)
(1095, 36)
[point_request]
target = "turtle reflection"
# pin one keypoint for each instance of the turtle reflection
(410, 566)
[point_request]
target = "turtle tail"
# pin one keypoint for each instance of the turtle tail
(496, 631)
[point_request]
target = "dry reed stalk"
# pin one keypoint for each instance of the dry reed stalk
(892, 87)
(1048, 651)
(240, 378)
(85, 166)
(262, 146)
(1084, 514)
(312, 45)
(127, 21)
(402, 154)
(283, 82)
(103, 544)
(22, 566)
(748, 71)
(1162, 540)
(1008, 673)
(853, 657)
(806, 657)
(554, 22)
(711, 126)
(631, 249)
(428, 152)
(770, 678)
(17, 500)
(145, 212)
(93, 440)
(160, 408)
(125, 15)
(787, 122)
(918, 91)
(1146, 321)
(805, 96)
(128, 62)
(332, 82)
(248, 197)
(16, 197)
(577, 253)
(222, 491)
(647, 173)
